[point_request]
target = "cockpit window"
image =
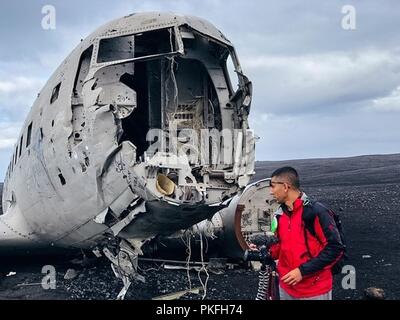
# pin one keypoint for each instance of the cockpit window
(119, 48)
(137, 46)
(155, 42)
(232, 76)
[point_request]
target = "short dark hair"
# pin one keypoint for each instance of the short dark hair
(290, 174)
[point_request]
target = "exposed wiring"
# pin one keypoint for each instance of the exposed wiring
(151, 269)
(170, 40)
(172, 75)
(189, 254)
(172, 59)
(212, 106)
(172, 70)
(203, 266)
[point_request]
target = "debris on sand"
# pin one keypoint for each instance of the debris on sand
(177, 295)
(373, 293)
(70, 274)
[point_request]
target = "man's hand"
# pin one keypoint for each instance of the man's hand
(293, 277)
(252, 246)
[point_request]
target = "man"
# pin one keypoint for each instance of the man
(305, 258)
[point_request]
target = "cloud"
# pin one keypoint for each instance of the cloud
(7, 143)
(19, 83)
(323, 83)
(17, 94)
(389, 103)
(9, 133)
(305, 136)
(336, 91)
(8, 138)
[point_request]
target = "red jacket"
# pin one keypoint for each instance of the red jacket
(292, 252)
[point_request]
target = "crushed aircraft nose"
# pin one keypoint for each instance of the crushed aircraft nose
(140, 132)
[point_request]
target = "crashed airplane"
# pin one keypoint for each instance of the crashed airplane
(140, 132)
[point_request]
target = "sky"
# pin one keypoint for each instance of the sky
(326, 74)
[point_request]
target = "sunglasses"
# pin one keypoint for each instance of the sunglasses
(272, 183)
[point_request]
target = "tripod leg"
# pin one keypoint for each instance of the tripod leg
(274, 286)
(263, 283)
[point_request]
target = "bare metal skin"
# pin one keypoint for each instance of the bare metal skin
(138, 133)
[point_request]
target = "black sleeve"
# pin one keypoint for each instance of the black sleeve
(333, 249)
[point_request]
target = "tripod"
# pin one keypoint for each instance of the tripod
(268, 281)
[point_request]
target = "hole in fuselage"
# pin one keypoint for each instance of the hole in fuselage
(176, 92)
(62, 179)
(147, 83)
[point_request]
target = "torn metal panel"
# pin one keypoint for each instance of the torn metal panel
(101, 218)
(138, 208)
(90, 93)
(121, 97)
(124, 265)
(163, 218)
(122, 202)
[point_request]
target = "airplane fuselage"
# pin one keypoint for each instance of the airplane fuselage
(138, 133)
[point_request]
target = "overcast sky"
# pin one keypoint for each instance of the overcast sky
(319, 90)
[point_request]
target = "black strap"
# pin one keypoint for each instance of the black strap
(308, 217)
(306, 241)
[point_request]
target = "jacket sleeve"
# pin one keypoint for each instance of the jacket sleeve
(328, 233)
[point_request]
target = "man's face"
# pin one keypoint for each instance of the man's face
(279, 189)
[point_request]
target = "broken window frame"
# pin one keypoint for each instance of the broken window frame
(116, 48)
(237, 70)
(89, 49)
(235, 61)
(178, 40)
(228, 77)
